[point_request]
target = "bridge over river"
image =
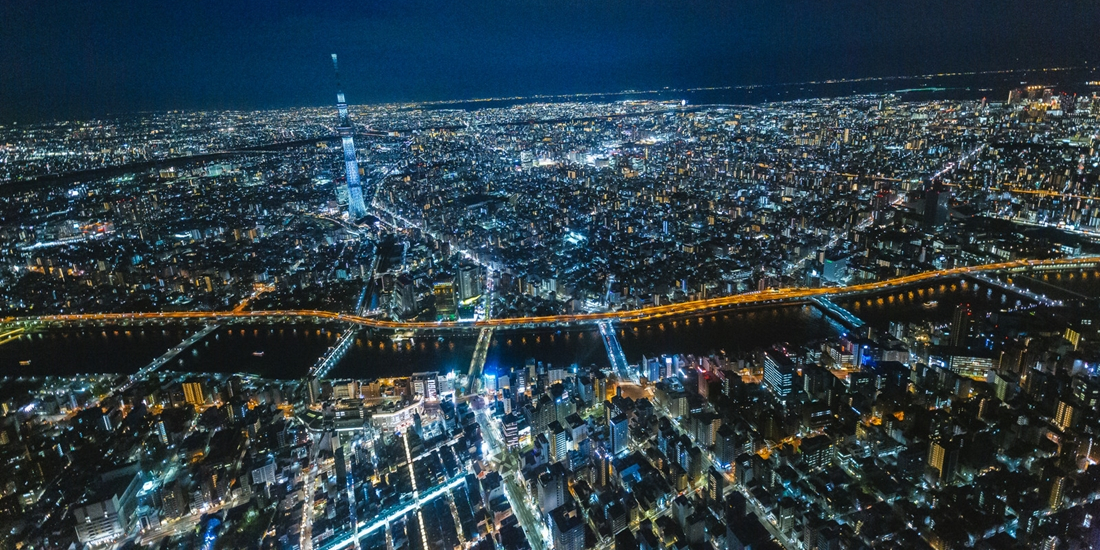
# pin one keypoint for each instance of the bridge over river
(988, 273)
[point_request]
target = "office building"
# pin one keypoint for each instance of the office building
(817, 451)
(109, 512)
(426, 385)
(937, 201)
(193, 394)
(470, 282)
(620, 434)
(962, 325)
(445, 308)
(779, 373)
(567, 528)
(943, 458)
(551, 487)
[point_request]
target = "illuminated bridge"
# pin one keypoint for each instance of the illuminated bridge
(614, 349)
(334, 354)
(1009, 287)
(777, 296)
(844, 316)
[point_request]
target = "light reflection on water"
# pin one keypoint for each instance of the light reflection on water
(287, 351)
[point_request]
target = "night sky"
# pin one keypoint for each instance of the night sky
(81, 58)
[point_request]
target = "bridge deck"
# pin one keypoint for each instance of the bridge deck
(1020, 291)
(636, 315)
(844, 316)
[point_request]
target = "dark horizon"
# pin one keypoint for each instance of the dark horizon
(70, 60)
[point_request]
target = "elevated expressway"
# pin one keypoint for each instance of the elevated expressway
(786, 295)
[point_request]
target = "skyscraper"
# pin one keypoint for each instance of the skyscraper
(619, 434)
(937, 201)
(559, 441)
(962, 324)
(426, 385)
(192, 393)
(356, 207)
(567, 528)
(511, 430)
(943, 457)
(444, 300)
(469, 282)
(779, 373)
(551, 488)
(404, 295)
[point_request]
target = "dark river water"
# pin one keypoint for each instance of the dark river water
(287, 351)
(376, 354)
(1062, 286)
(727, 331)
(93, 350)
(561, 348)
(276, 351)
(936, 304)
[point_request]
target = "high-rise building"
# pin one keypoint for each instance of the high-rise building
(520, 377)
(817, 451)
(340, 457)
(943, 457)
(559, 441)
(620, 434)
(726, 445)
(490, 383)
(599, 386)
(834, 268)
(716, 485)
(937, 201)
(162, 432)
(404, 295)
(1065, 415)
(1086, 392)
(567, 528)
(779, 373)
(444, 301)
(911, 463)
(1057, 492)
(356, 205)
(264, 475)
(109, 512)
(426, 385)
(511, 430)
(470, 282)
(173, 503)
(551, 488)
(192, 393)
(962, 324)
(654, 369)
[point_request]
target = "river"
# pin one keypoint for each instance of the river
(287, 351)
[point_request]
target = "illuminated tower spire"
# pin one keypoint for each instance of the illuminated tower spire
(356, 208)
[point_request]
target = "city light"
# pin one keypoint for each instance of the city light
(800, 313)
